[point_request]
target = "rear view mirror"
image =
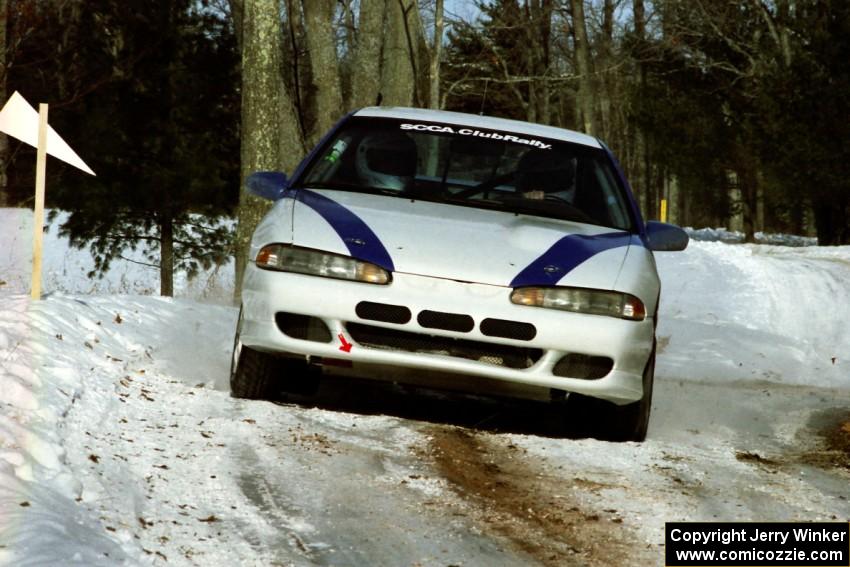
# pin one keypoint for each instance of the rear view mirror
(665, 237)
(267, 184)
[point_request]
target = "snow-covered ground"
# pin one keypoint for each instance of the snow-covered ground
(119, 443)
(730, 236)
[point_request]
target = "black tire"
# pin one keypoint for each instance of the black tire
(253, 374)
(607, 421)
(258, 375)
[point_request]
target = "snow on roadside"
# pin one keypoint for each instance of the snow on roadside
(729, 236)
(42, 377)
(755, 312)
(65, 269)
(62, 353)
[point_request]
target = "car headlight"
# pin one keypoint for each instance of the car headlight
(581, 300)
(287, 258)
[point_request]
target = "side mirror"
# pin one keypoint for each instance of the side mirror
(665, 237)
(267, 184)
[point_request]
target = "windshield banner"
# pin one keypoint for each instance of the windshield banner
(477, 133)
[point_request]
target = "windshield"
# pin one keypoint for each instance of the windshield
(462, 165)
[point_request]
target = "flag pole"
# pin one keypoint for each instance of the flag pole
(38, 211)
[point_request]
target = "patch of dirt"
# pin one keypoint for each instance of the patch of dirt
(825, 445)
(836, 447)
(750, 457)
(312, 441)
(513, 499)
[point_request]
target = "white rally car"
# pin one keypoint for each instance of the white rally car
(457, 251)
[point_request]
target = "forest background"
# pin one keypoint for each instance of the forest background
(735, 112)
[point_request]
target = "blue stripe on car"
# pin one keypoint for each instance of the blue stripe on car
(567, 253)
(362, 243)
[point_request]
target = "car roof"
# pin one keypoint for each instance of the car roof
(477, 121)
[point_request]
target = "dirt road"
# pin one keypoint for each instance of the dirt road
(380, 475)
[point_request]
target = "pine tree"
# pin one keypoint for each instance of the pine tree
(156, 115)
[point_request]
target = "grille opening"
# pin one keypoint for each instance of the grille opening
(390, 339)
(303, 327)
(446, 321)
(383, 312)
(508, 329)
(583, 366)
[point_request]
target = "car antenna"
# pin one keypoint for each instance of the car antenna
(378, 99)
(484, 97)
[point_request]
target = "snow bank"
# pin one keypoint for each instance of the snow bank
(755, 312)
(52, 352)
(65, 269)
(735, 237)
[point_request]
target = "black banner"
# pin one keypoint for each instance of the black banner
(757, 544)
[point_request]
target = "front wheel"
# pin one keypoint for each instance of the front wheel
(258, 375)
(251, 372)
(610, 422)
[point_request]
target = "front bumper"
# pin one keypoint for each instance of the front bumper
(627, 343)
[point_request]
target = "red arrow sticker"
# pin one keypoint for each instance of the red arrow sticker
(346, 346)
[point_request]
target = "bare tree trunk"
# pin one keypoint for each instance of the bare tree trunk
(684, 209)
(747, 183)
(537, 28)
(777, 27)
(436, 54)
(365, 86)
(166, 253)
(544, 24)
(798, 214)
(784, 32)
(165, 213)
(399, 69)
(420, 53)
(639, 19)
(605, 90)
(271, 138)
(4, 140)
(295, 76)
(236, 14)
(533, 85)
(641, 148)
(318, 15)
(585, 80)
(760, 212)
(674, 214)
(346, 64)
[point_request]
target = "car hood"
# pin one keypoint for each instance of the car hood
(458, 243)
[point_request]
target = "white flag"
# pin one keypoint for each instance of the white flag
(20, 120)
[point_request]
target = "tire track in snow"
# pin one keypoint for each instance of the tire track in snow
(278, 529)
